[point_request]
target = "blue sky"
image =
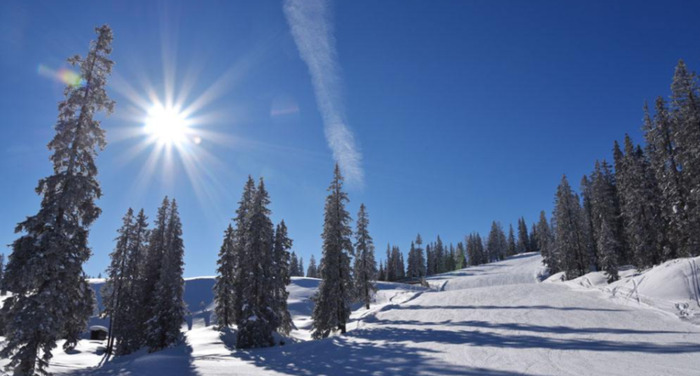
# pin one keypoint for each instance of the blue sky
(462, 112)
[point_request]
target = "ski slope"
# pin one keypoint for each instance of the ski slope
(494, 319)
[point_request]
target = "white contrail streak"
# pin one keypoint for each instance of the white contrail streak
(312, 29)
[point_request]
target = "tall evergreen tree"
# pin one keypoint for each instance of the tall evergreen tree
(661, 148)
(365, 265)
(607, 244)
(225, 285)
(461, 256)
(293, 265)
(523, 239)
(332, 309)
(281, 278)
(114, 289)
(640, 205)
(241, 222)
(163, 327)
(420, 258)
(258, 319)
(685, 120)
(153, 264)
(300, 269)
(496, 242)
(545, 239)
(44, 270)
(569, 232)
(312, 271)
(512, 248)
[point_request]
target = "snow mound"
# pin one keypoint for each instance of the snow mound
(672, 287)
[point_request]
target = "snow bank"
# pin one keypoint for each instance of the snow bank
(672, 287)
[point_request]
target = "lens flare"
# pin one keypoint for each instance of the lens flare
(63, 75)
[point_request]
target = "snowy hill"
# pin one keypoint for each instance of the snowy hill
(495, 319)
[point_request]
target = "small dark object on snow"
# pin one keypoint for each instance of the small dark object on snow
(98, 332)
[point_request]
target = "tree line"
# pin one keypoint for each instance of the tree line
(437, 257)
(644, 208)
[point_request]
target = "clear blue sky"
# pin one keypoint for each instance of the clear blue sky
(464, 112)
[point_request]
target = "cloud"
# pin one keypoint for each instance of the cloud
(312, 29)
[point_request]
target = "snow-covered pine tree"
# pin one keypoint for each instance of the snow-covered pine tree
(496, 242)
(534, 245)
(225, 285)
(312, 270)
(365, 265)
(512, 247)
(381, 275)
(605, 206)
(545, 239)
(591, 230)
(114, 288)
(429, 260)
(153, 262)
(163, 327)
(523, 239)
(241, 226)
(293, 264)
(607, 244)
(439, 251)
(569, 231)
(130, 327)
(2, 274)
(411, 264)
(332, 304)
(661, 148)
(300, 270)
(450, 262)
(44, 270)
(258, 319)
(280, 278)
(420, 257)
(685, 119)
(640, 205)
(461, 256)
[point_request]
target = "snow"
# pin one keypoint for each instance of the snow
(494, 319)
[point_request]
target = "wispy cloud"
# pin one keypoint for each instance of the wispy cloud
(312, 29)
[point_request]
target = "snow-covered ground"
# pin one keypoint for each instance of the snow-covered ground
(495, 319)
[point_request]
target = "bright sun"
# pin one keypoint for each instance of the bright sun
(167, 125)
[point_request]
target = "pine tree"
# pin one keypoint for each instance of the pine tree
(461, 256)
(300, 269)
(130, 326)
(241, 223)
(312, 271)
(661, 148)
(534, 244)
(365, 265)
(607, 244)
(258, 319)
(590, 224)
(44, 270)
(640, 205)
(512, 248)
(293, 265)
(685, 120)
(332, 309)
(420, 258)
(545, 239)
(163, 327)
(381, 275)
(156, 252)
(281, 278)
(523, 239)
(569, 232)
(2, 275)
(114, 289)
(496, 242)
(225, 286)
(439, 250)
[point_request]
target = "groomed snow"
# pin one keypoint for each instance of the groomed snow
(495, 319)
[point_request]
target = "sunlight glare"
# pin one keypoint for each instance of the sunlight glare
(167, 125)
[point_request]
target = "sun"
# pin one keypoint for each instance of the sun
(166, 125)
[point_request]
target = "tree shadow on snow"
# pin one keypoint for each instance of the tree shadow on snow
(519, 341)
(526, 307)
(172, 361)
(522, 327)
(351, 355)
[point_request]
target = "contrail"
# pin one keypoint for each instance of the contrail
(312, 29)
